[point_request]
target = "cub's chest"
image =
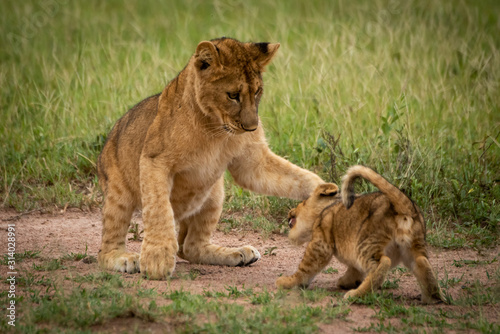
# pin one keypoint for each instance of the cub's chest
(198, 178)
(195, 182)
(204, 167)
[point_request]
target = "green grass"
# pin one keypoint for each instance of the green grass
(330, 270)
(392, 316)
(408, 88)
(97, 299)
(93, 301)
(20, 257)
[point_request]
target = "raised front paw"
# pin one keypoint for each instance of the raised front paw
(247, 255)
(157, 262)
(286, 282)
(119, 261)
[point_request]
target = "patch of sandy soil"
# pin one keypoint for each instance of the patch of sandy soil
(74, 231)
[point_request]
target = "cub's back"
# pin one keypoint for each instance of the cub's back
(123, 147)
(352, 225)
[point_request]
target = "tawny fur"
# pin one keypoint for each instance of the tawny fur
(168, 155)
(376, 233)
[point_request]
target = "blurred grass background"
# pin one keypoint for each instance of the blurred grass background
(410, 88)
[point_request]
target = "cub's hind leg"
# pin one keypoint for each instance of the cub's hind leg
(318, 254)
(351, 279)
(374, 279)
(196, 231)
(429, 285)
(117, 212)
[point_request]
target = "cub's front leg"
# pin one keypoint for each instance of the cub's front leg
(262, 171)
(159, 247)
(195, 234)
(318, 254)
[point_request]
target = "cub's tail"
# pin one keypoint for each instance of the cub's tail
(402, 204)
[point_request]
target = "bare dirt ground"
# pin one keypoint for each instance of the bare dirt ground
(74, 231)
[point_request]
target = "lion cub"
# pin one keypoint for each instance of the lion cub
(370, 233)
(168, 155)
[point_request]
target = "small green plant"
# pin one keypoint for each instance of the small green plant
(261, 224)
(82, 308)
(440, 235)
(270, 251)
(233, 291)
(476, 293)
(382, 298)
(448, 282)
(314, 295)
(472, 263)
(191, 275)
(19, 257)
(149, 293)
(30, 279)
(103, 277)
(228, 224)
(330, 270)
(262, 298)
(214, 294)
(49, 265)
(391, 284)
(74, 256)
(136, 232)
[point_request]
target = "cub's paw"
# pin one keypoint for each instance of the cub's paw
(352, 294)
(157, 263)
(247, 255)
(437, 298)
(120, 261)
(286, 282)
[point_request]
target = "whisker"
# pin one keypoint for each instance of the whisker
(219, 130)
(216, 129)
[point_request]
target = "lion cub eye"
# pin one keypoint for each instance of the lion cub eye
(234, 96)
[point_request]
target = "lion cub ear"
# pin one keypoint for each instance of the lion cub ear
(327, 189)
(206, 56)
(264, 52)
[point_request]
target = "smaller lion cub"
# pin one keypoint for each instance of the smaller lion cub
(370, 233)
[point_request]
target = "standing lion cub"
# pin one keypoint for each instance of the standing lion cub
(168, 155)
(370, 233)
